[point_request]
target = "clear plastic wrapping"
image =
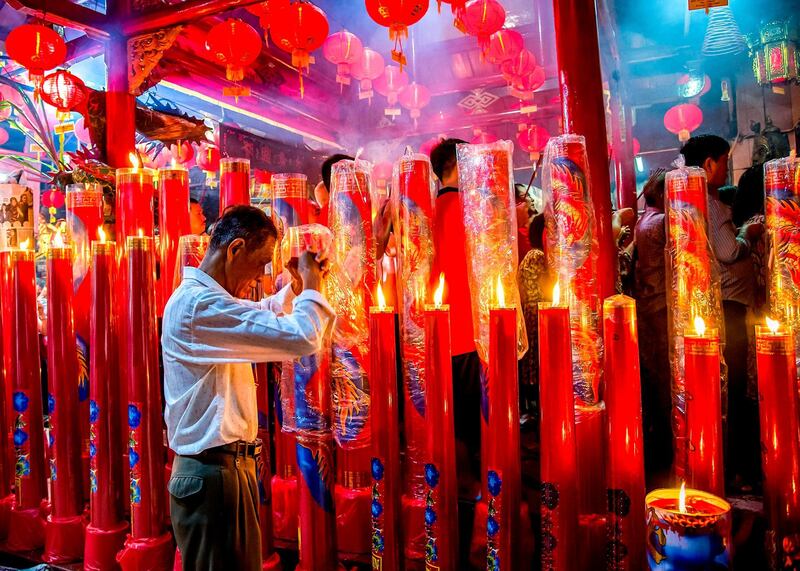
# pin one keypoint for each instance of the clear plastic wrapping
(191, 251)
(351, 286)
(298, 390)
(486, 188)
(572, 250)
(782, 189)
(693, 286)
(413, 207)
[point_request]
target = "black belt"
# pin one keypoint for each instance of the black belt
(236, 449)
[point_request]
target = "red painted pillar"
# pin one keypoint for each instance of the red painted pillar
(584, 114)
(120, 105)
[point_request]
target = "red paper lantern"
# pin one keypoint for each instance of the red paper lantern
(53, 198)
(457, 8)
(414, 97)
(208, 158)
(397, 15)
(367, 69)
(63, 91)
(235, 44)
(683, 119)
(521, 65)
(183, 152)
(530, 82)
(299, 29)
(504, 45)
(343, 49)
(482, 18)
(36, 48)
(533, 139)
(265, 11)
(391, 83)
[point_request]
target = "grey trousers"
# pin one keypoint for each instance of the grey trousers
(214, 512)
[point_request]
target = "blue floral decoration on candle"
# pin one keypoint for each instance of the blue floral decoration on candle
(51, 404)
(133, 457)
(377, 508)
(23, 466)
(93, 481)
(21, 401)
(431, 475)
(492, 526)
(92, 450)
(20, 437)
(494, 483)
(94, 411)
(430, 516)
(378, 542)
(377, 469)
(431, 551)
(136, 492)
(53, 471)
(134, 416)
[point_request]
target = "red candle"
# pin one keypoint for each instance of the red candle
(386, 482)
(173, 221)
(284, 482)
(441, 483)
(625, 466)
(191, 251)
(134, 210)
(105, 535)
(21, 354)
(704, 469)
(64, 529)
(84, 218)
(559, 474)
(780, 438)
(271, 560)
(317, 513)
(146, 447)
(6, 460)
(234, 182)
(290, 204)
(504, 472)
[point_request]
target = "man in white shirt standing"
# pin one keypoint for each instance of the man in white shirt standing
(211, 338)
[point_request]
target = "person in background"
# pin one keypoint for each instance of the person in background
(449, 238)
(322, 192)
(197, 219)
(748, 208)
(212, 335)
(732, 247)
(650, 291)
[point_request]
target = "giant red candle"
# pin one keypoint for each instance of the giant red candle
(173, 221)
(780, 439)
(559, 474)
(503, 478)
(64, 529)
(84, 216)
(105, 534)
(146, 447)
(21, 355)
(625, 463)
(234, 182)
(441, 483)
(704, 469)
(134, 209)
(6, 462)
(386, 482)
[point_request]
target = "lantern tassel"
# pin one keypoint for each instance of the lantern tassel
(234, 73)
(397, 33)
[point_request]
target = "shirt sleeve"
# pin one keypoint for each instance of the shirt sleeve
(728, 245)
(226, 331)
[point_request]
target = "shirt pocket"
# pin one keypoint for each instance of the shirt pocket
(186, 488)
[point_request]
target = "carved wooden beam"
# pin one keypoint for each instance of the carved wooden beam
(179, 14)
(65, 13)
(144, 53)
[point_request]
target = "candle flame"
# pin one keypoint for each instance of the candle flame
(773, 325)
(699, 326)
(101, 234)
(134, 160)
(141, 233)
(381, 298)
(501, 295)
(25, 244)
(556, 294)
(173, 163)
(438, 295)
(682, 498)
(58, 241)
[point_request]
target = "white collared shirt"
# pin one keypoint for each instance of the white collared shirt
(210, 340)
